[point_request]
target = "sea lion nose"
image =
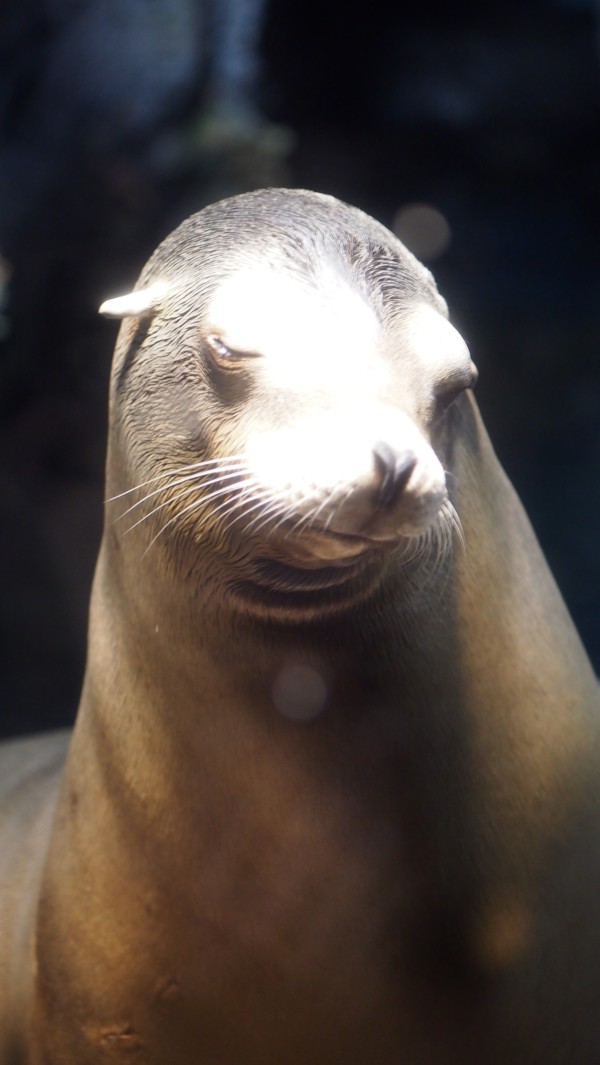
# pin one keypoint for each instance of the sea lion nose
(394, 469)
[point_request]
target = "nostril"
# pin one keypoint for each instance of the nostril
(394, 468)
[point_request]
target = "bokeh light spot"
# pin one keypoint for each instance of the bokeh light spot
(299, 692)
(423, 229)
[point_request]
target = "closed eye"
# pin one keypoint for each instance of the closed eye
(225, 356)
(448, 394)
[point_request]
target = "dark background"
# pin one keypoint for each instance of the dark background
(120, 117)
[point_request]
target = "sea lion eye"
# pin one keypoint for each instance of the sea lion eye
(224, 356)
(450, 393)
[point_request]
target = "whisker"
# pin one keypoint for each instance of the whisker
(193, 479)
(274, 507)
(311, 516)
(193, 506)
(457, 526)
(302, 521)
(233, 460)
(200, 499)
(285, 515)
(266, 506)
(335, 509)
(243, 499)
(437, 543)
(172, 500)
(225, 509)
(238, 493)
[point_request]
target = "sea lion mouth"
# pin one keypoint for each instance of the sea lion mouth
(300, 584)
(283, 576)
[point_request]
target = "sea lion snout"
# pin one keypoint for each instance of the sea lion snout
(343, 395)
(367, 473)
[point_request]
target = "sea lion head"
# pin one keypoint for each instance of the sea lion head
(280, 377)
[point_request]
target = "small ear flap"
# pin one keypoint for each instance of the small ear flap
(140, 304)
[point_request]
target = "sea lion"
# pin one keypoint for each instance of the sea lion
(332, 795)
